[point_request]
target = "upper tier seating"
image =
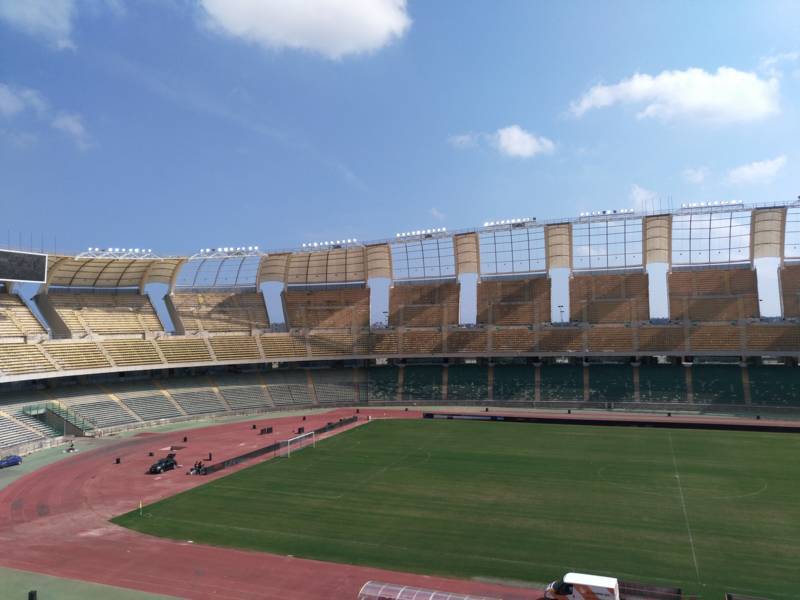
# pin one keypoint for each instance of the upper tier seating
(16, 319)
(184, 350)
(713, 295)
(790, 289)
(220, 311)
(335, 308)
(279, 345)
(609, 298)
(467, 341)
(76, 355)
(16, 359)
(514, 302)
(132, 352)
(105, 313)
(235, 347)
(423, 305)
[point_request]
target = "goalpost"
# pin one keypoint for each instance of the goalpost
(300, 441)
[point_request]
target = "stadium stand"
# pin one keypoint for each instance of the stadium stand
(470, 341)
(514, 302)
(422, 382)
(235, 347)
(561, 382)
(278, 345)
(382, 383)
(146, 400)
(195, 396)
(790, 289)
(16, 319)
(773, 337)
(774, 385)
(514, 383)
(288, 388)
(422, 342)
(611, 383)
(24, 358)
(96, 406)
(184, 350)
(514, 340)
(609, 298)
(662, 383)
(331, 343)
(244, 392)
(132, 352)
(104, 313)
(384, 342)
(215, 312)
(70, 355)
(717, 383)
(331, 308)
(467, 382)
(12, 432)
(713, 295)
(423, 305)
(611, 338)
(561, 339)
(335, 386)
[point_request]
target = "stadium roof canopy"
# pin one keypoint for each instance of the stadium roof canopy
(66, 271)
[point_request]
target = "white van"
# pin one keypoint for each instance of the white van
(578, 586)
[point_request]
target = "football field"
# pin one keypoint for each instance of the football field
(709, 511)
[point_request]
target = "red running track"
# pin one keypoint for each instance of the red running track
(56, 521)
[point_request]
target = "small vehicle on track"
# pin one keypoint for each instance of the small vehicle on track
(163, 464)
(12, 460)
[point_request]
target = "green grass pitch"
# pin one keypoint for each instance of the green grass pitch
(710, 511)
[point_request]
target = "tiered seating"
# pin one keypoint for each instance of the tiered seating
(95, 406)
(790, 289)
(662, 383)
(774, 385)
(611, 383)
(469, 341)
(76, 355)
(288, 388)
(16, 319)
(12, 433)
(105, 313)
(221, 312)
(283, 345)
(422, 342)
(15, 410)
(132, 352)
(773, 338)
(610, 338)
(383, 342)
(561, 382)
(717, 384)
(514, 382)
(382, 383)
(560, 339)
(337, 308)
(514, 302)
(195, 398)
(235, 347)
(334, 386)
(514, 340)
(714, 337)
(184, 350)
(467, 382)
(332, 343)
(609, 298)
(713, 295)
(243, 392)
(661, 338)
(422, 382)
(146, 401)
(16, 359)
(424, 305)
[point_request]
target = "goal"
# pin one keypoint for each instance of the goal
(296, 443)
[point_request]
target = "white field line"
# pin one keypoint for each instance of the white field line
(683, 505)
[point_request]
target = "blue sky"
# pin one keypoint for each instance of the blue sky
(188, 124)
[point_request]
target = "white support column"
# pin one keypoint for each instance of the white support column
(379, 300)
(468, 299)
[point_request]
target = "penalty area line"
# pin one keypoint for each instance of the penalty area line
(683, 505)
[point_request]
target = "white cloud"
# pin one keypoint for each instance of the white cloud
(515, 141)
(50, 20)
(696, 175)
(641, 198)
(333, 28)
(437, 214)
(760, 171)
(769, 64)
(14, 100)
(72, 125)
(463, 140)
(728, 95)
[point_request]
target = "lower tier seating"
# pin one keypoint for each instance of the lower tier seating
(467, 382)
(422, 382)
(514, 382)
(561, 382)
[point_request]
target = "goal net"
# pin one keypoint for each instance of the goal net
(296, 443)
